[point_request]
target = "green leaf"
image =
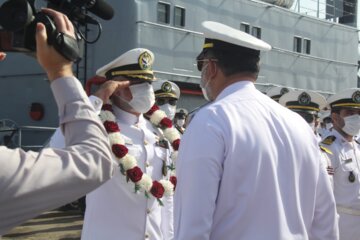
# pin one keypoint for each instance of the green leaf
(137, 188)
(160, 202)
(122, 169)
(147, 194)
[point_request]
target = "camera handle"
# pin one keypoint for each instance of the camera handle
(67, 46)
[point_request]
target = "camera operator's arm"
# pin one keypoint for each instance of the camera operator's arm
(31, 183)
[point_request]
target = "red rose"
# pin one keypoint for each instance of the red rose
(166, 122)
(157, 189)
(111, 127)
(135, 174)
(152, 110)
(175, 144)
(173, 180)
(119, 150)
(107, 107)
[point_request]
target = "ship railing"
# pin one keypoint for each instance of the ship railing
(33, 128)
(16, 133)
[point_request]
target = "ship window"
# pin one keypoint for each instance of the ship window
(307, 46)
(297, 44)
(179, 17)
(256, 32)
(245, 27)
(163, 13)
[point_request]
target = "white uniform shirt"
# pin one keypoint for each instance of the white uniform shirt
(114, 211)
(346, 161)
(249, 168)
(31, 182)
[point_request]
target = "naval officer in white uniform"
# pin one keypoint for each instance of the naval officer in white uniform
(115, 211)
(345, 159)
(244, 171)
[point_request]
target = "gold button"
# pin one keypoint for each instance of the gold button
(148, 211)
(145, 142)
(147, 164)
(146, 235)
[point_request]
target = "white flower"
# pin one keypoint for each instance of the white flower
(157, 116)
(171, 134)
(168, 187)
(115, 138)
(145, 182)
(174, 155)
(107, 116)
(128, 162)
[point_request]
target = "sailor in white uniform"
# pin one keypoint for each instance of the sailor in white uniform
(345, 110)
(244, 171)
(276, 92)
(114, 211)
(180, 119)
(167, 94)
(308, 105)
(325, 122)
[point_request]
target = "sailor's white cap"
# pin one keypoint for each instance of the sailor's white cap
(304, 101)
(220, 36)
(165, 88)
(348, 98)
(276, 92)
(135, 64)
(181, 113)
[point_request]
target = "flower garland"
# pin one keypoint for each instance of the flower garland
(128, 163)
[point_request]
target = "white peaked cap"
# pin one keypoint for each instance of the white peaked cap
(348, 98)
(165, 88)
(276, 92)
(134, 64)
(300, 100)
(224, 33)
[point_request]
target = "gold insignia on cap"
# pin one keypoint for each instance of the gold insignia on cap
(283, 91)
(304, 98)
(145, 61)
(166, 87)
(356, 97)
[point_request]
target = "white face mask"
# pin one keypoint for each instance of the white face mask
(143, 97)
(169, 110)
(352, 125)
(204, 88)
(180, 122)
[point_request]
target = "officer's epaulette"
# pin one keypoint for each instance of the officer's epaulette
(324, 149)
(328, 140)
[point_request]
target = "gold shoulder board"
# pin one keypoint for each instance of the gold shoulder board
(329, 140)
(324, 149)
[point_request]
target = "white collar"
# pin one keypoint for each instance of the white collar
(126, 117)
(235, 87)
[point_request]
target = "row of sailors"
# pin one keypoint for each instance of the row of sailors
(336, 122)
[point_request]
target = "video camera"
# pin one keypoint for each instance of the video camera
(18, 19)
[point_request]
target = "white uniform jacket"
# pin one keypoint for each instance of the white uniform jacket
(31, 183)
(114, 211)
(345, 159)
(249, 168)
